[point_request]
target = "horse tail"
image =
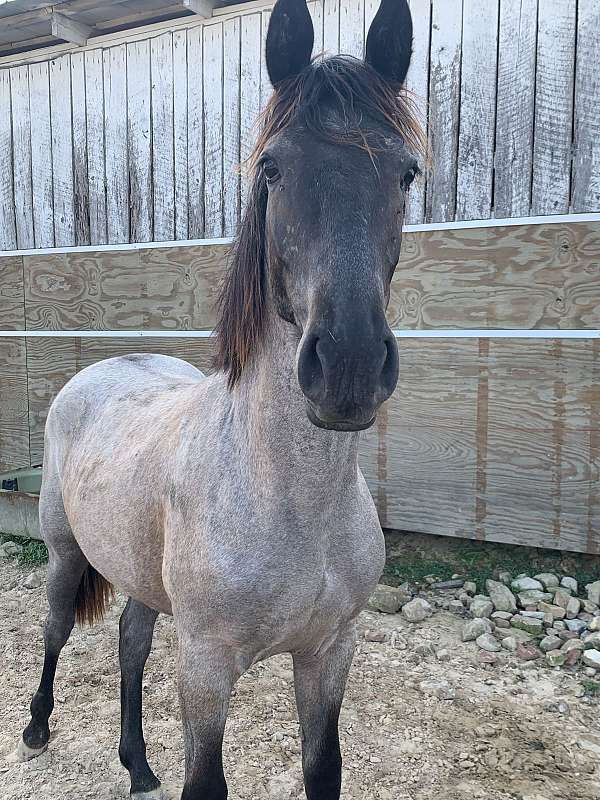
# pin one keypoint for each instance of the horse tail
(93, 596)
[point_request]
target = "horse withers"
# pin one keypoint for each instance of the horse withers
(246, 515)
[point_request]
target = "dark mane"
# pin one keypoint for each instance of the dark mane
(336, 99)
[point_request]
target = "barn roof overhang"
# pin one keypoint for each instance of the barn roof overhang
(32, 24)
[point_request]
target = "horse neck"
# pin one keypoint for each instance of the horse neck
(288, 452)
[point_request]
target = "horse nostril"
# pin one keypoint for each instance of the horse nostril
(389, 373)
(310, 368)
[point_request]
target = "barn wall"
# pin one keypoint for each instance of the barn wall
(496, 439)
(139, 140)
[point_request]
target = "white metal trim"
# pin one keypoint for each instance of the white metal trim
(502, 333)
(557, 219)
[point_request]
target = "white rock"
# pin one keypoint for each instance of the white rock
(593, 592)
(488, 642)
(569, 583)
(526, 584)
(417, 610)
(547, 579)
(32, 581)
(573, 607)
(441, 689)
(595, 624)
(388, 599)
(10, 549)
(510, 643)
(481, 606)
(474, 628)
(501, 596)
(592, 658)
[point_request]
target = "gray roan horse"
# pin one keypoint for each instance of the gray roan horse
(245, 514)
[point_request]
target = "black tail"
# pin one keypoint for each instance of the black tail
(93, 596)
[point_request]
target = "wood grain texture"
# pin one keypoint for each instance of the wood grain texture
(195, 133)
(94, 114)
(41, 154)
(444, 94)
(553, 108)
(180, 133)
(12, 295)
(8, 232)
(81, 200)
(477, 110)
(163, 169)
(21, 146)
(139, 141)
(586, 162)
(265, 84)
(115, 143)
(62, 151)
(515, 105)
(417, 82)
(352, 27)
(213, 130)
(315, 8)
(231, 126)
(250, 92)
(14, 421)
(331, 26)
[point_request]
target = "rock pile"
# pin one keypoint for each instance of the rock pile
(540, 617)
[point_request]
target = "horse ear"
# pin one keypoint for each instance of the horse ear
(389, 42)
(290, 40)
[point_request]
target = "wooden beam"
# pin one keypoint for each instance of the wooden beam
(203, 8)
(69, 29)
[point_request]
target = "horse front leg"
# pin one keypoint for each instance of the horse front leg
(206, 676)
(320, 683)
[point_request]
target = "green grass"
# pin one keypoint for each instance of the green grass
(478, 561)
(34, 552)
(592, 688)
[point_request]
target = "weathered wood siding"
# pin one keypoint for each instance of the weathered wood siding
(498, 439)
(508, 90)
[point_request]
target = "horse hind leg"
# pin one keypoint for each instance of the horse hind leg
(136, 628)
(74, 590)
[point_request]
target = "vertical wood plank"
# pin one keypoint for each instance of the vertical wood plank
(352, 27)
(315, 8)
(444, 93)
(41, 154)
(163, 146)
(553, 107)
(250, 91)
(139, 137)
(94, 114)
(180, 128)
(21, 127)
(477, 109)
(586, 164)
(115, 138)
(62, 151)
(371, 8)
(8, 232)
(195, 133)
(515, 104)
(265, 83)
(231, 126)
(417, 82)
(213, 130)
(331, 26)
(81, 197)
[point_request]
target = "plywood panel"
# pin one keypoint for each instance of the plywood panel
(12, 299)
(14, 423)
(515, 107)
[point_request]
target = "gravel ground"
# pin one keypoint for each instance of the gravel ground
(499, 736)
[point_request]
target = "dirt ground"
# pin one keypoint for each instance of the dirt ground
(502, 736)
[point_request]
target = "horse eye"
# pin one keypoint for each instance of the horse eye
(409, 178)
(272, 174)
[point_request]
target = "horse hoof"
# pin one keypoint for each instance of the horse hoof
(155, 794)
(24, 753)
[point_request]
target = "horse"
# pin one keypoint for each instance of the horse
(246, 516)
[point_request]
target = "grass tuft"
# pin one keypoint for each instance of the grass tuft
(34, 552)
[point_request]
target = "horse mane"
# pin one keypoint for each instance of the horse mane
(357, 95)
